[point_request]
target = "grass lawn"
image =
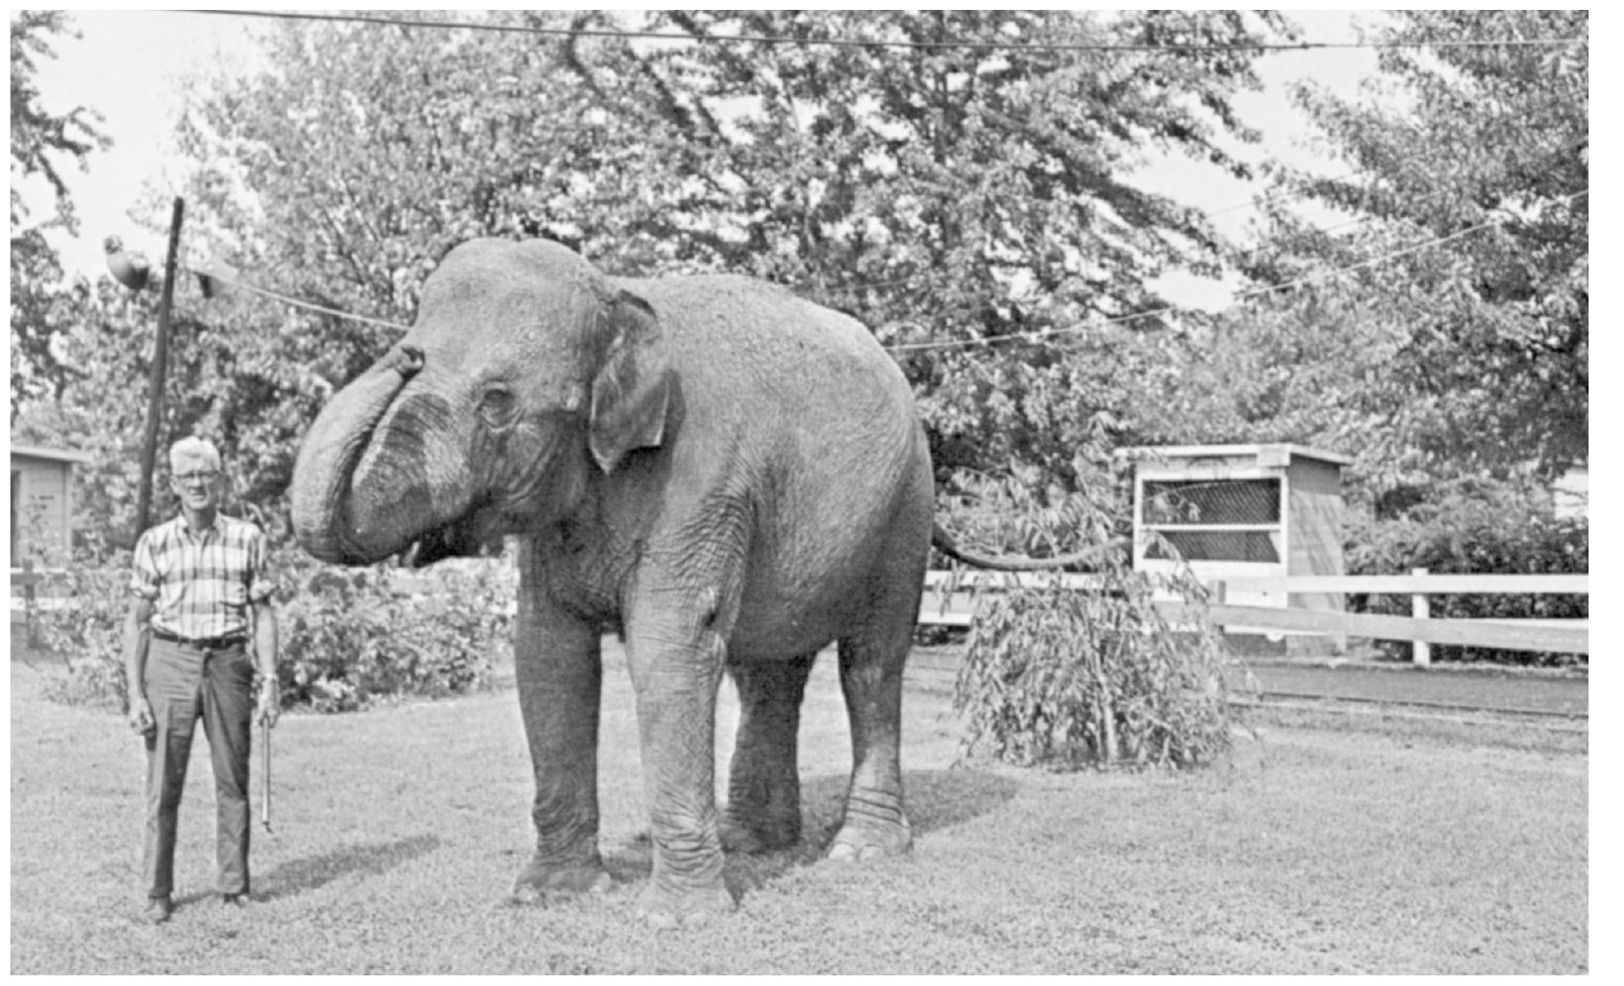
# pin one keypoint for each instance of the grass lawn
(397, 832)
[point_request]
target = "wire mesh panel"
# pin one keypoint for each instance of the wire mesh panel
(1206, 502)
(1258, 546)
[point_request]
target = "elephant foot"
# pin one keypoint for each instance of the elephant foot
(540, 882)
(666, 909)
(860, 843)
(740, 836)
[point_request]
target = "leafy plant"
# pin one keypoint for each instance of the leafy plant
(78, 617)
(1095, 676)
(984, 190)
(44, 145)
(353, 636)
(1478, 530)
(349, 637)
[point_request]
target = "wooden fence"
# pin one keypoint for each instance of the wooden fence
(957, 608)
(25, 594)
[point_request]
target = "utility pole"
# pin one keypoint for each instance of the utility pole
(160, 366)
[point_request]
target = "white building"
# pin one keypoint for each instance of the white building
(42, 502)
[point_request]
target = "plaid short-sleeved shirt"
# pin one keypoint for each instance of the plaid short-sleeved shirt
(201, 584)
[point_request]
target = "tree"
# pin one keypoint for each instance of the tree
(961, 194)
(283, 188)
(1466, 357)
(42, 143)
(942, 194)
(340, 177)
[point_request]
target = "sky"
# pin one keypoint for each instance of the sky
(133, 68)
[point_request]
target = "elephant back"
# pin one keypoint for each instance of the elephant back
(746, 328)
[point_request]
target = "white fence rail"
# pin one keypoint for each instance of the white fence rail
(939, 607)
(957, 608)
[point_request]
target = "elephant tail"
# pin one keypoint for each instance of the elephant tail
(1090, 558)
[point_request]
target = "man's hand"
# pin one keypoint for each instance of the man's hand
(270, 702)
(141, 718)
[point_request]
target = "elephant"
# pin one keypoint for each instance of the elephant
(726, 475)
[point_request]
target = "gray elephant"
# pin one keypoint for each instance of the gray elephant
(727, 475)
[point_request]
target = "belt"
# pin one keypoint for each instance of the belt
(202, 643)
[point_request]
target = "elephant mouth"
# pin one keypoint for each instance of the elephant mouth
(470, 537)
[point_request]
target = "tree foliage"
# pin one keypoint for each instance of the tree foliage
(944, 195)
(1466, 357)
(43, 143)
(1101, 677)
(949, 194)
(1472, 528)
(340, 176)
(941, 194)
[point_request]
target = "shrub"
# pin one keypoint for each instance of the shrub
(1477, 531)
(1070, 678)
(79, 619)
(351, 636)
(348, 636)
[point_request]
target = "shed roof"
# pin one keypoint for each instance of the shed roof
(1280, 452)
(53, 454)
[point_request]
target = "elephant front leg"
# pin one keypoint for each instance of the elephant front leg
(559, 673)
(676, 657)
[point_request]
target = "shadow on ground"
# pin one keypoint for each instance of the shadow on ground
(301, 875)
(936, 799)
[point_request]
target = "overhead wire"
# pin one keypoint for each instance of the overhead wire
(1041, 335)
(1038, 335)
(1256, 202)
(572, 32)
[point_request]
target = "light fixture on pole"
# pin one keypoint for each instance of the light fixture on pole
(129, 269)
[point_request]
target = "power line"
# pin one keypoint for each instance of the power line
(845, 288)
(1039, 335)
(564, 32)
(916, 278)
(1045, 334)
(1254, 203)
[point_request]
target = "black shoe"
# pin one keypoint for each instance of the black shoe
(158, 910)
(233, 901)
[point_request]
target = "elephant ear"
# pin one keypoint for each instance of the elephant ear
(632, 390)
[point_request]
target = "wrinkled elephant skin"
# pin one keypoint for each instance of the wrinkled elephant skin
(729, 476)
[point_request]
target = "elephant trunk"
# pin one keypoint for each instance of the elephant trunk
(324, 472)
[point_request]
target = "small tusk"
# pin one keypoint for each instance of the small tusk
(409, 362)
(574, 397)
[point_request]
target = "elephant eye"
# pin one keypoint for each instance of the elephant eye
(498, 408)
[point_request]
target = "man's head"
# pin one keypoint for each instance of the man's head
(194, 473)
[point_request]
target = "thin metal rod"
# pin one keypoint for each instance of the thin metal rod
(265, 775)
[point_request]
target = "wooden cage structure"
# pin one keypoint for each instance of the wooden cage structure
(1243, 511)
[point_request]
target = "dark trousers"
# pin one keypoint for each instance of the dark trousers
(184, 684)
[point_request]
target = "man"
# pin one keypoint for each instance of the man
(202, 598)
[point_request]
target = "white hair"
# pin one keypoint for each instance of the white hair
(193, 451)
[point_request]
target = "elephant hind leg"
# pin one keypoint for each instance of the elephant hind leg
(871, 678)
(764, 787)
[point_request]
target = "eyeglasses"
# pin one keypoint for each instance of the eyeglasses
(196, 477)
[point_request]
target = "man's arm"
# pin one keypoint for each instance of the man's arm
(137, 635)
(265, 644)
